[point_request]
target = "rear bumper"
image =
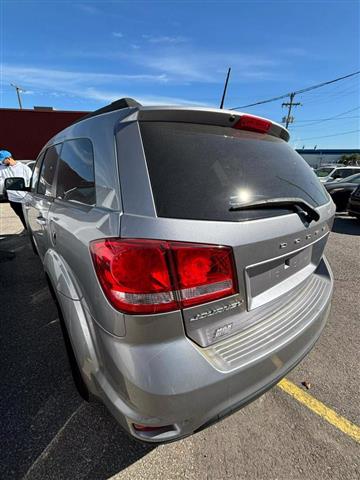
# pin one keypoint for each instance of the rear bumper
(187, 387)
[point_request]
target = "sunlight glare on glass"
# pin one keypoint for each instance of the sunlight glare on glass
(243, 195)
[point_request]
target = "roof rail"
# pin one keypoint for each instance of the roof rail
(117, 105)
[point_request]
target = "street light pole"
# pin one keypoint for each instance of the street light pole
(18, 90)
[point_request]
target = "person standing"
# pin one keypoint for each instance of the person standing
(11, 168)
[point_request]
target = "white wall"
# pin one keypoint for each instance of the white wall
(316, 160)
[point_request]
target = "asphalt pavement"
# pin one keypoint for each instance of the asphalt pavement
(49, 432)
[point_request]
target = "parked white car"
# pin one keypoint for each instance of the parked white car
(331, 173)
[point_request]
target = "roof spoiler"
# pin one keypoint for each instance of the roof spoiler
(117, 105)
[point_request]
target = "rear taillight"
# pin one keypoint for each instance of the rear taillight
(149, 428)
(253, 124)
(151, 276)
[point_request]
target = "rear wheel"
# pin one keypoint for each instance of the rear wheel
(75, 370)
(33, 246)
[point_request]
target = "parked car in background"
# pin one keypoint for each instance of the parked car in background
(341, 190)
(328, 174)
(189, 282)
(353, 207)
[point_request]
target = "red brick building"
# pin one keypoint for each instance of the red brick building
(25, 132)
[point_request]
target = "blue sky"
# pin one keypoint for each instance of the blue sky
(82, 55)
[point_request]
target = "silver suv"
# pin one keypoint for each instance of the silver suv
(185, 249)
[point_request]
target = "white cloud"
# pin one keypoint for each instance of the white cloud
(183, 65)
(204, 66)
(110, 96)
(165, 39)
(117, 34)
(52, 78)
(90, 9)
(95, 86)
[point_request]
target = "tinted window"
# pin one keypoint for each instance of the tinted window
(48, 168)
(35, 175)
(195, 170)
(75, 181)
(343, 173)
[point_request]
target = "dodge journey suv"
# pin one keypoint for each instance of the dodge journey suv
(185, 250)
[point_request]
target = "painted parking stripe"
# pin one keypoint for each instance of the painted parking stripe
(320, 409)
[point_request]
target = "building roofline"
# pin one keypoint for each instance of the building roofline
(43, 111)
(328, 151)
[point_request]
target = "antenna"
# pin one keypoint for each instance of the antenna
(225, 88)
(18, 90)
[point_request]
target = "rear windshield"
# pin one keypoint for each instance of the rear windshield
(197, 170)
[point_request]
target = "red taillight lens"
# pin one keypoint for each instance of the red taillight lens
(148, 428)
(204, 273)
(151, 276)
(253, 124)
(134, 274)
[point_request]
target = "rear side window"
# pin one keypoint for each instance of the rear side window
(76, 179)
(196, 170)
(47, 173)
(36, 171)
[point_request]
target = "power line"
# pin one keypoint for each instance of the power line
(330, 118)
(326, 136)
(303, 90)
(330, 97)
(317, 120)
(340, 88)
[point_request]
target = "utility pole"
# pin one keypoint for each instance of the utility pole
(18, 90)
(225, 88)
(289, 118)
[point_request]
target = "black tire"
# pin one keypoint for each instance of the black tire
(33, 246)
(75, 370)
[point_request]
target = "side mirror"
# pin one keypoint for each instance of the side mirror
(16, 183)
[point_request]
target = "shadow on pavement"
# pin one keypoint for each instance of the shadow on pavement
(346, 225)
(47, 430)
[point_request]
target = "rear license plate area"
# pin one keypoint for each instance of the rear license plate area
(263, 278)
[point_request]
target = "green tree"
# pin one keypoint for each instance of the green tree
(353, 159)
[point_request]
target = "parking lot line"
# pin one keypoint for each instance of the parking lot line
(320, 409)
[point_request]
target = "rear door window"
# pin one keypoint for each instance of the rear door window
(197, 170)
(76, 178)
(47, 173)
(36, 171)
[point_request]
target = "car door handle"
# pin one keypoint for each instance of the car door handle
(41, 220)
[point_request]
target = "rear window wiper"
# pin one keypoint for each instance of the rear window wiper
(297, 204)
